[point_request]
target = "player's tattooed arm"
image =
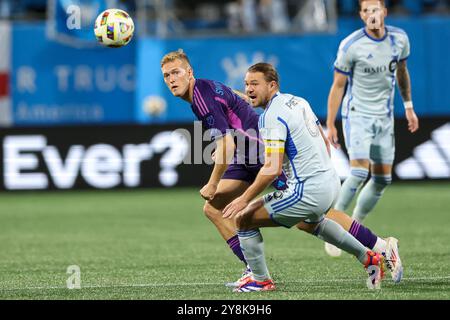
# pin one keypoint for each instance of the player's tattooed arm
(404, 84)
(404, 81)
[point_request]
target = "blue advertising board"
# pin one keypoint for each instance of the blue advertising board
(305, 64)
(56, 84)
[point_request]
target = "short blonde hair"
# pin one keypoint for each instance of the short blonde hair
(175, 55)
(361, 1)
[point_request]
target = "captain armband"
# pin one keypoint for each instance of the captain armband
(274, 146)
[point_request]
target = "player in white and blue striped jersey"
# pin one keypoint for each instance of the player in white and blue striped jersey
(369, 64)
(295, 143)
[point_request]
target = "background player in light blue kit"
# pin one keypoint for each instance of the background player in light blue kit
(368, 63)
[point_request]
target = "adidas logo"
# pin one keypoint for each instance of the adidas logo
(430, 159)
(370, 56)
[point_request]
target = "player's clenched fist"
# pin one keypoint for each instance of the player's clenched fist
(208, 191)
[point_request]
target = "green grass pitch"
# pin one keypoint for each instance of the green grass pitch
(157, 244)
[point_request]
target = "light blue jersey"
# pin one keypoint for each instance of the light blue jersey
(371, 66)
(290, 125)
(291, 121)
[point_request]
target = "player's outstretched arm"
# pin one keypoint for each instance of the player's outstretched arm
(223, 156)
(334, 102)
(272, 168)
(404, 84)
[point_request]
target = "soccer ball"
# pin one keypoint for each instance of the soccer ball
(154, 105)
(114, 28)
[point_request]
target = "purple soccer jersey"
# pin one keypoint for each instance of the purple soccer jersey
(222, 111)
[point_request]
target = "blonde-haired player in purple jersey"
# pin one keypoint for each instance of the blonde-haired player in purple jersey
(227, 116)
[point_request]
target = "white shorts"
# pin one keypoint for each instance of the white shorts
(370, 138)
(307, 201)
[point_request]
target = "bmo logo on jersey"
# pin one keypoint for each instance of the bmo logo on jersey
(379, 69)
(373, 70)
(393, 66)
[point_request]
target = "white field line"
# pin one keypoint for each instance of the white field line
(188, 284)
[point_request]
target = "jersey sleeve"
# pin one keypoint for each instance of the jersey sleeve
(273, 133)
(406, 49)
(344, 62)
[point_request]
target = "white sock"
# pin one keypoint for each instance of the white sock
(369, 196)
(380, 246)
(252, 246)
(350, 187)
(333, 233)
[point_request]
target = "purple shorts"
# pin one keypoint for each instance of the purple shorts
(248, 173)
(242, 172)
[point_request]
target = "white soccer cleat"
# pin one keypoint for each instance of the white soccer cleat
(251, 285)
(393, 261)
(247, 274)
(332, 250)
